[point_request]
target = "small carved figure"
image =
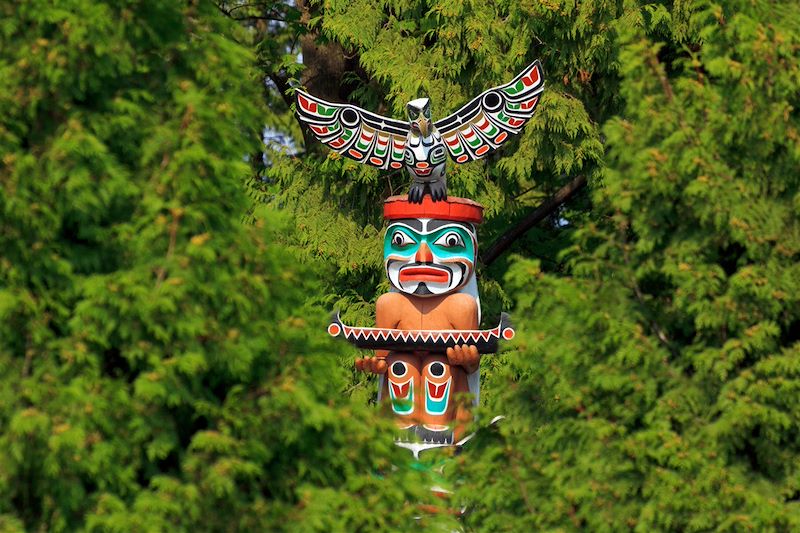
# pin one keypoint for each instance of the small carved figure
(472, 132)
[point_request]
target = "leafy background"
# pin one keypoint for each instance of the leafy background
(172, 243)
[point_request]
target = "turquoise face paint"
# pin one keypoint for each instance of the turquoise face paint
(446, 243)
(436, 404)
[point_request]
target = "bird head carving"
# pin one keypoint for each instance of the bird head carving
(419, 115)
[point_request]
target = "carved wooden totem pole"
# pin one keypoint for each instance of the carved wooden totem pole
(426, 340)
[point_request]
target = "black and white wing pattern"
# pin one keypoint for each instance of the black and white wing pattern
(354, 132)
(484, 123)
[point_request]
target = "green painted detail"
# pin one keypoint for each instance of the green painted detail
(347, 134)
(513, 106)
(380, 152)
(325, 111)
(518, 88)
(475, 142)
(403, 406)
(503, 118)
(362, 145)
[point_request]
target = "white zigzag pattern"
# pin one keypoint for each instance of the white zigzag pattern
(416, 336)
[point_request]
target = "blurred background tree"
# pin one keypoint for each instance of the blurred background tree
(166, 274)
(163, 366)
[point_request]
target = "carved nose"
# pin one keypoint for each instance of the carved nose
(424, 254)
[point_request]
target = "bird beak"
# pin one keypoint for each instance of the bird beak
(424, 126)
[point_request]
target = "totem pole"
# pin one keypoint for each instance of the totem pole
(426, 340)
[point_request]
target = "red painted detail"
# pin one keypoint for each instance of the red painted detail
(454, 208)
(436, 390)
(530, 103)
(508, 334)
(334, 330)
(400, 391)
(482, 150)
(383, 141)
(399, 145)
(433, 275)
(500, 138)
(532, 78)
(469, 134)
(306, 103)
(355, 153)
(453, 143)
(422, 164)
(338, 143)
(462, 158)
(515, 122)
(395, 164)
(376, 161)
(423, 171)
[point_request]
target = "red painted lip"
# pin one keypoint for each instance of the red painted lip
(435, 275)
(423, 171)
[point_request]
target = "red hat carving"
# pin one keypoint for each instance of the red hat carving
(454, 208)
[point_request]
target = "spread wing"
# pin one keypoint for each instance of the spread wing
(484, 123)
(354, 132)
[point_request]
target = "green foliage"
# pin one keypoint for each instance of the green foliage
(165, 276)
(163, 366)
(655, 387)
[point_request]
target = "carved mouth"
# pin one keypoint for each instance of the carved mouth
(429, 274)
(422, 171)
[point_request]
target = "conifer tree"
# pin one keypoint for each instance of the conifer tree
(162, 364)
(654, 382)
(655, 386)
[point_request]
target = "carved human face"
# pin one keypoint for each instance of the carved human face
(429, 257)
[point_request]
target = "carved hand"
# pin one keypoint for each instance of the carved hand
(464, 355)
(376, 365)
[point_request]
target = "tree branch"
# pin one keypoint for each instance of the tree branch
(499, 246)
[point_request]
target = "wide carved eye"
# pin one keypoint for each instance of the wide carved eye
(400, 239)
(436, 369)
(427, 112)
(451, 239)
(412, 113)
(399, 369)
